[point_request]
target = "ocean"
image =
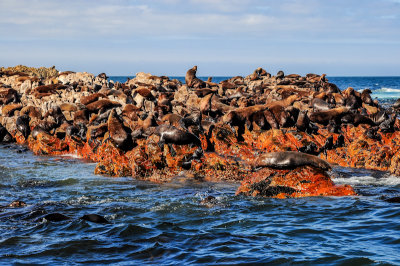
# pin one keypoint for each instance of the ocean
(167, 224)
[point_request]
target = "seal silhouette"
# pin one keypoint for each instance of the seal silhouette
(290, 160)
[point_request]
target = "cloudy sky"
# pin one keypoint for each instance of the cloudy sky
(222, 37)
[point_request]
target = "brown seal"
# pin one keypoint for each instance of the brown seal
(94, 132)
(32, 112)
(102, 76)
(52, 88)
(321, 105)
(284, 102)
(192, 81)
(190, 76)
(172, 135)
(117, 132)
(303, 122)
(357, 119)
(281, 116)
(8, 110)
(130, 111)
(9, 96)
(270, 118)
(242, 116)
(68, 107)
(171, 118)
(102, 105)
(323, 117)
(290, 160)
(92, 98)
(81, 117)
(204, 91)
(366, 97)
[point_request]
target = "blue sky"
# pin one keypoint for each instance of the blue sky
(221, 37)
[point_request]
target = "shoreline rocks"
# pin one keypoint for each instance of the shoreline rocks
(153, 128)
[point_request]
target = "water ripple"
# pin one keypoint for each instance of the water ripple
(168, 224)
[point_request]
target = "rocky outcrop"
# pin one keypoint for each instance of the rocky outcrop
(41, 72)
(299, 182)
(154, 128)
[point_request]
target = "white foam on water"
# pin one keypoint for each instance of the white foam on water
(386, 93)
(72, 155)
(389, 90)
(368, 180)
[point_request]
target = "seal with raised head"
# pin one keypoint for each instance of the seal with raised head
(192, 81)
(303, 122)
(290, 160)
(190, 76)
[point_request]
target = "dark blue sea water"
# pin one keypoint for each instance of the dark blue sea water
(167, 224)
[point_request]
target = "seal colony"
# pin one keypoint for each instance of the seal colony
(277, 135)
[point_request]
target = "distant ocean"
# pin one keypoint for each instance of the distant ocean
(386, 89)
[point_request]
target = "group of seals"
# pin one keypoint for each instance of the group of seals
(95, 111)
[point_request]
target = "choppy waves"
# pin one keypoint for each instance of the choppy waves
(165, 224)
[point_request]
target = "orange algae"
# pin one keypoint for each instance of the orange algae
(299, 182)
(230, 159)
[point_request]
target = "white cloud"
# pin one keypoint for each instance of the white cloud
(165, 30)
(206, 18)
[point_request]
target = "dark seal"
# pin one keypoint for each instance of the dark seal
(290, 160)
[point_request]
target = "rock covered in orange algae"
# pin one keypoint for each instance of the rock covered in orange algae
(47, 144)
(361, 151)
(302, 181)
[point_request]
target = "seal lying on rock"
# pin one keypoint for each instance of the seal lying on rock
(323, 117)
(289, 160)
(170, 134)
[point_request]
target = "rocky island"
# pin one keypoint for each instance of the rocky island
(277, 135)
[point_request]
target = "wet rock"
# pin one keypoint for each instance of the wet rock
(299, 182)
